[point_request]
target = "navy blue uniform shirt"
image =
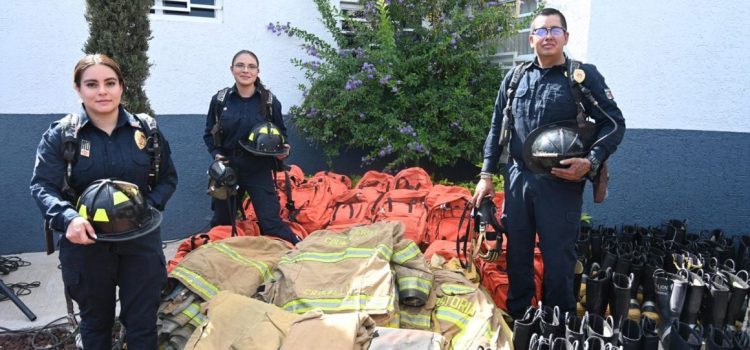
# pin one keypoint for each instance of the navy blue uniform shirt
(98, 156)
(544, 96)
(239, 117)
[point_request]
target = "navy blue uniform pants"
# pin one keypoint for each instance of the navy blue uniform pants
(552, 208)
(261, 189)
(91, 274)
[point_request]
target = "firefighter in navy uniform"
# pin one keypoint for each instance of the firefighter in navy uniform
(538, 199)
(232, 116)
(111, 235)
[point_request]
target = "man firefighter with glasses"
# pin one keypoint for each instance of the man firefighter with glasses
(542, 119)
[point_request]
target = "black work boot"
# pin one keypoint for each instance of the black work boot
(650, 339)
(693, 299)
(648, 307)
(538, 342)
(524, 327)
(550, 324)
(738, 286)
(573, 328)
(597, 290)
(619, 300)
(719, 339)
(715, 300)
(670, 295)
(682, 337)
(597, 326)
(630, 335)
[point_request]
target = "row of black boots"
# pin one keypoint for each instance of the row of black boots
(639, 287)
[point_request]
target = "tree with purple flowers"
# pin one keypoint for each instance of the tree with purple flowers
(412, 84)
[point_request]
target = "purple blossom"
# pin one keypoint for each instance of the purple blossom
(394, 89)
(370, 7)
(279, 29)
(312, 65)
(407, 130)
(491, 4)
(471, 17)
(361, 116)
(352, 83)
(368, 68)
(455, 125)
(312, 112)
(416, 146)
(311, 50)
(385, 79)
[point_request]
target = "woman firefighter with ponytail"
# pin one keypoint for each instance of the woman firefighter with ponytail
(101, 178)
(245, 130)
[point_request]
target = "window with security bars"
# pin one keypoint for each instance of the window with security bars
(355, 10)
(188, 9)
(516, 49)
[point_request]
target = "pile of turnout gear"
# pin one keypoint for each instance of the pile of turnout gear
(392, 262)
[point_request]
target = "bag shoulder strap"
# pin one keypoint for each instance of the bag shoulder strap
(575, 73)
(517, 74)
(153, 144)
(69, 126)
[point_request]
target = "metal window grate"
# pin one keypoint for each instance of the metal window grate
(207, 9)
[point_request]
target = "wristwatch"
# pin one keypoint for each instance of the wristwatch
(595, 164)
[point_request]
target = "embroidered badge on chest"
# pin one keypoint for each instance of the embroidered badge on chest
(608, 92)
(140, 139)
(85, 148)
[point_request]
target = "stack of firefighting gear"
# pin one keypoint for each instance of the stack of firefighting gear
(345, 283)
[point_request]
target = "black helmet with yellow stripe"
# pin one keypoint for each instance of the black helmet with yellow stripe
(117, 210)
(265, 140)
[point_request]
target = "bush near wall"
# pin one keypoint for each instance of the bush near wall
(410, 85)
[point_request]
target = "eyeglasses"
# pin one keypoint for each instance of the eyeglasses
(242, 66)
(555, 31)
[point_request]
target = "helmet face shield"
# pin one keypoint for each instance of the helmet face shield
(222, 180)
(117, 211)
(547, 145)
(265, 140)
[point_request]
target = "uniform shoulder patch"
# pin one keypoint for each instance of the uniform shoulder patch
(608, 93)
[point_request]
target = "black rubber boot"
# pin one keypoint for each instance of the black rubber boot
(594, 343)
(573, 328)
(648, 307)
(609, 255)
(743, 253)
(597, 326)
(538, 342)
(718, 339)
(670, 295)
(597, 290)
(619, 300)
(738, 287)
(630, 335)
(693, 299)
(715, 300)
(561, 344)
(741, 340)
(524, 327)
(650, 339)
(550, 324)
(682, 337)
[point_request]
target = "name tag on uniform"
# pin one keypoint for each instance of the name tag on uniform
(85, 148)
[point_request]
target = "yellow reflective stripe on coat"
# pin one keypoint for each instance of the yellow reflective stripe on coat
(193, 312)
(421, 321)
(334, 257)
(417, 283)
(409, 252)
(452, 316)
(350, 303)
(198, 284)
(262, 267)
(457, 289)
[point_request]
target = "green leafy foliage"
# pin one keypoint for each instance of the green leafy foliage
(121, 30)
(412, 84)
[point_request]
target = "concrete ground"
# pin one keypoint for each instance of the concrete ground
(47, 301)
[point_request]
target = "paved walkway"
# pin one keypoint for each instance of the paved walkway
(47, 301)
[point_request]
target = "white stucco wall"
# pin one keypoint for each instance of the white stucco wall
(671, 64)
(42, 40)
